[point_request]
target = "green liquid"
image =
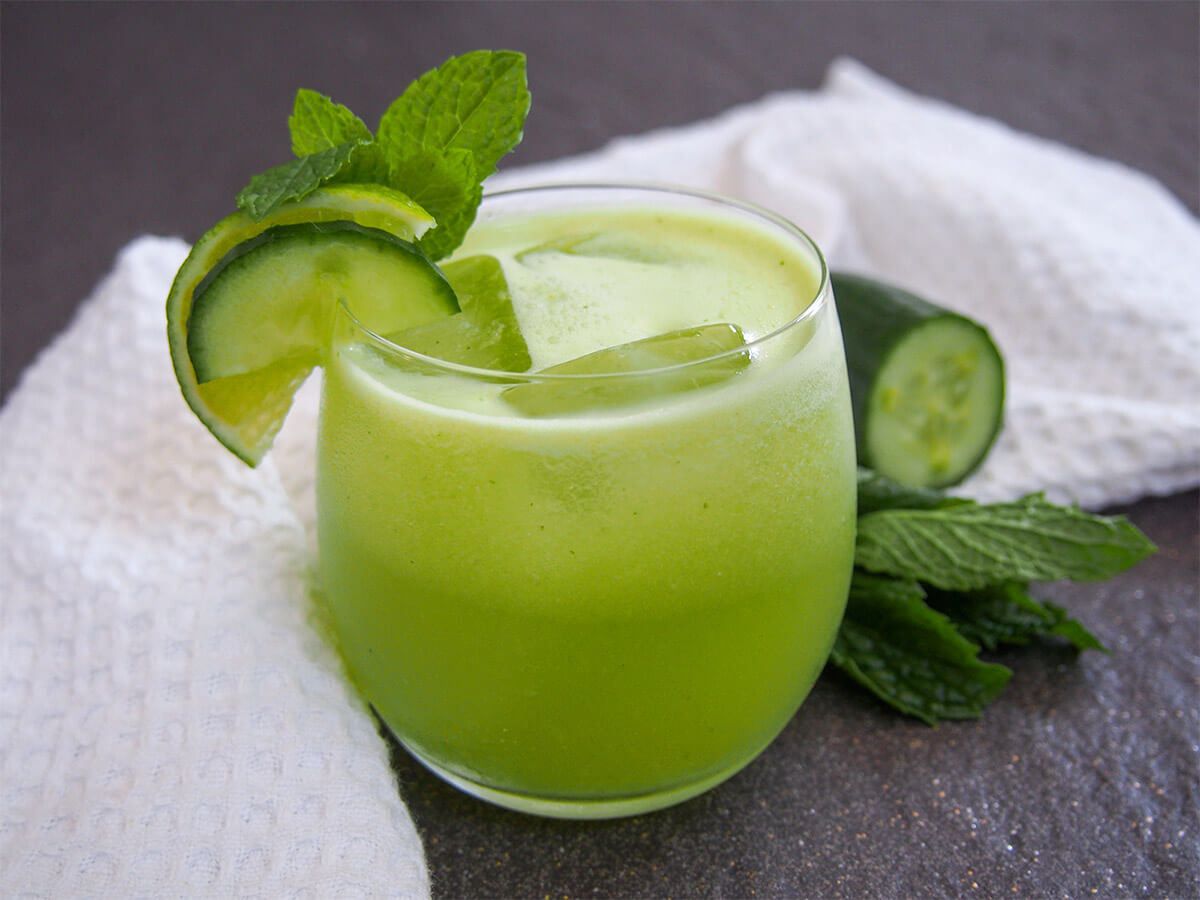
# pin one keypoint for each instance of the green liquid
(604, 612)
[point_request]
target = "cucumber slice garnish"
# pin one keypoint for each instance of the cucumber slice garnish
(927, 384)
(248, 315)
(270, 298)
(645, 369)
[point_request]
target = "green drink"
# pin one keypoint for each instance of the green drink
(587, 594)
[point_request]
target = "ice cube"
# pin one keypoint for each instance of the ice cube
(625, 361)
(602, 245)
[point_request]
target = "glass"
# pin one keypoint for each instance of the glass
(610, 605)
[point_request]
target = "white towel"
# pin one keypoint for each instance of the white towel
(170, 722)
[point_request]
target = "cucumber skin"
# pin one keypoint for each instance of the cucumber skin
(279, 233)
(874, 318)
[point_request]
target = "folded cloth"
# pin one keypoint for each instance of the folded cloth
(171, 724)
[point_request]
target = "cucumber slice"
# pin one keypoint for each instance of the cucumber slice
(662, 358)
(270, 298)
(927, 384)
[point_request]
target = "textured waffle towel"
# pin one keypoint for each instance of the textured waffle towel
(171, 725)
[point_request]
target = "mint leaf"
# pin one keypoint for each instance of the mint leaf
(1007, 614)
(1071, 630)
(475, 102)
(317, 123)
(368, 165)
(444, 135)
(910, 656)
(970, 545)
(444, 184)
(876, 492)
(296, 179)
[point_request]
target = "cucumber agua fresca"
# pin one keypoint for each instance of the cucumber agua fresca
(927, 384)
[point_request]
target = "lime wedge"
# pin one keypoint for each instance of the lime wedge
(248, 315)
(660, 352)
(486, 333)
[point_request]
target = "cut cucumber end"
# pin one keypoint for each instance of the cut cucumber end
(927, 384)
(934, 408)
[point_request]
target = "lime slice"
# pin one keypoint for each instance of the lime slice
(248, 315)
(486, 333)
(652, 367)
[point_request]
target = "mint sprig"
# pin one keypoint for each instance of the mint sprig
(938, 577)
(436, 142)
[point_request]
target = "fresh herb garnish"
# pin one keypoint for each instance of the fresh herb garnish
(937, 577)
(436, 143)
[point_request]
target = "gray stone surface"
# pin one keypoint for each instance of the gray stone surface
(1081, 781)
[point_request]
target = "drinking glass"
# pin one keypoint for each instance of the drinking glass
(607, 608)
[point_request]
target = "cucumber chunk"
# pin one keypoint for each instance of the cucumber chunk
(654, 356)
(486, 333)
(927, 384)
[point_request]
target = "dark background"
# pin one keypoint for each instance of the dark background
(142, 117)
(123, 119)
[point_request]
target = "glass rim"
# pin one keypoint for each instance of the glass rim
(815, 305)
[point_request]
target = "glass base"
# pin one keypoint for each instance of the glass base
(558, 808)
